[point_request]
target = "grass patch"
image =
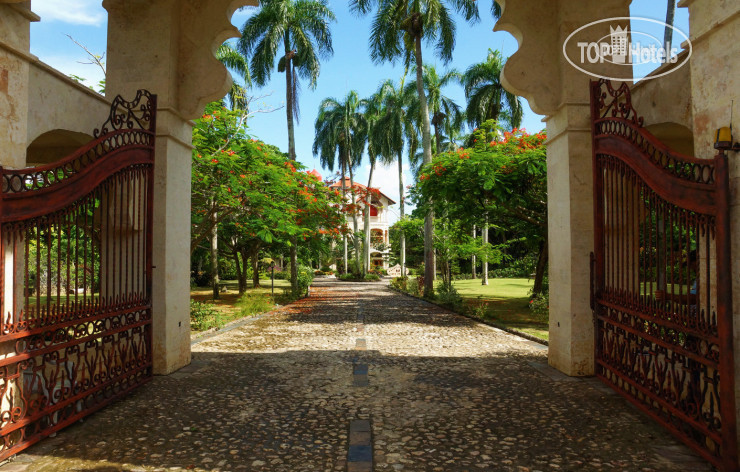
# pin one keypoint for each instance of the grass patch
(504, 301)
(231, 306)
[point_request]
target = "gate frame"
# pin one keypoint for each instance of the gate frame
(615, 105)
(125, 140)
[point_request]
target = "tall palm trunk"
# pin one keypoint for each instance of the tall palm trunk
(473, 274)
(368, 202)
(426, 142)
(401, 205)
(289, 105)
(438, 116)
(344, 201)
(214, 252)
(354, 217)
(669, 20)
(484, 275)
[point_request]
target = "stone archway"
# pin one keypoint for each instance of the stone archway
(53, 145)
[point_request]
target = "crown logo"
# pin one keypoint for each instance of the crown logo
(619, 44)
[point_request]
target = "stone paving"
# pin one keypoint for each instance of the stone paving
(360, 378)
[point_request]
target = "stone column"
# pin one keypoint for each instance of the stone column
(571, 233)
(540, 72)
(167, 47)
(15, 20)
(715, 82)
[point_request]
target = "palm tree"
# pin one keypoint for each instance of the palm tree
(372, 111)
(397, 32)
(393, 130)
(301, 29)
(396, 129)
(487, 98)
(341, 132)
(236, 62)
(443, 110)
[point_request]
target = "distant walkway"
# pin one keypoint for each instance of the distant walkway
(359, 378)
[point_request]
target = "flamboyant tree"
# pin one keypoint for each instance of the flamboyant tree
(496, 178)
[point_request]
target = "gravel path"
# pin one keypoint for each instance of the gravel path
(440, 393)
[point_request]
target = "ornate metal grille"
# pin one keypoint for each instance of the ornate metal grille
(75, 278)
(661, 278)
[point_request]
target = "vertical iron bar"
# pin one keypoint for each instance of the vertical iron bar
(25, 271)
(723, 247)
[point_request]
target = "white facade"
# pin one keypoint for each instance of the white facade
(380, 245)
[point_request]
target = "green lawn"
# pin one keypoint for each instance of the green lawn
(506, 302)
(229, 304)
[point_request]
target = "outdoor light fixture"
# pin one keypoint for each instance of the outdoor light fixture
(723, 140)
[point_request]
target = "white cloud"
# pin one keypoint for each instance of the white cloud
(77, 12)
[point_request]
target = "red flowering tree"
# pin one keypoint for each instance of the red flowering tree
(247, 196)
(500, 179)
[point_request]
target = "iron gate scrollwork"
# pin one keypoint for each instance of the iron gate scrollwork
(75, 278)
(661, 278)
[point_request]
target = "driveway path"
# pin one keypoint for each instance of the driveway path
(359, 377)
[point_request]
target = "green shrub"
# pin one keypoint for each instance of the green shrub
(413, 288)
(326, 269)
(400, 283)
(372, 277)
(305, 278)
(478, 310)
(448, 296)
(347, 277)
(282, 275)
(204, 316)
(540, 306)
(254, 303)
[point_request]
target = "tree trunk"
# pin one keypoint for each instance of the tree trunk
(355, 225)
(669, 20)
(437, 136)
(214, 256)
(368, 202)
(426, 142)
(289, 106)
(255, 268)
(484, 276)
(401, 204)
(472, 259)
(539, 275)
(344, 202)
(294, 264)
(243, 278)
(239, 277)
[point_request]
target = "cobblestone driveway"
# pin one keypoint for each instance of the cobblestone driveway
(441, 393)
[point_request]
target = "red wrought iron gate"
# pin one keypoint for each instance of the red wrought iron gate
(661, 290)
(75, 278)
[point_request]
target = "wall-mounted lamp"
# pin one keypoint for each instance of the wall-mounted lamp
(723, 140)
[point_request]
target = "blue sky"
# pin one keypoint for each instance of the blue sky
(349, 69)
